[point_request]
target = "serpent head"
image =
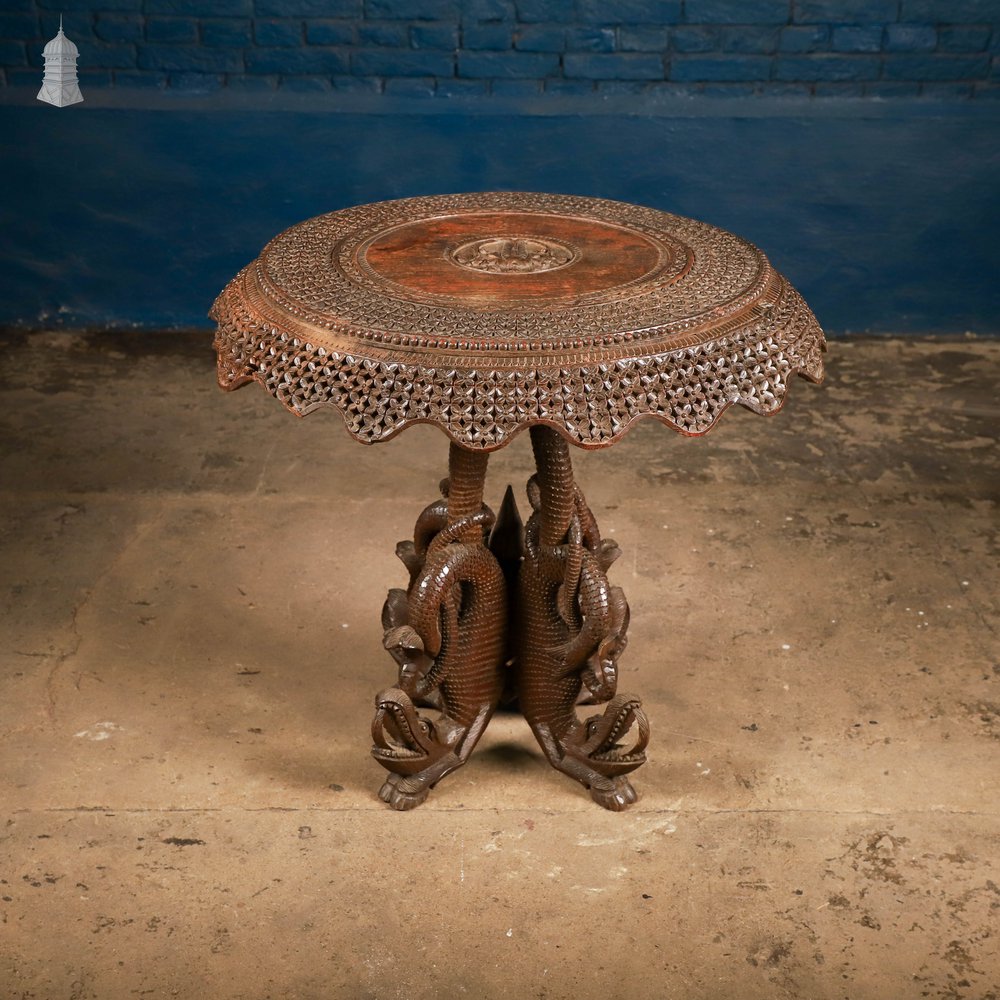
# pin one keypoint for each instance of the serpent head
(598, 740)
(600, 673)
(407, 649)
(405, 741)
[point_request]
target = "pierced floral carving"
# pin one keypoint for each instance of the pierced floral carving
(716, 325)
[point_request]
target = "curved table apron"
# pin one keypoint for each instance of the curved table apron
(489, 314)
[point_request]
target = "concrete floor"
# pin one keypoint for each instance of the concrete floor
(191, 584)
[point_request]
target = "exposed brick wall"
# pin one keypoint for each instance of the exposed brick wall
(878, 48)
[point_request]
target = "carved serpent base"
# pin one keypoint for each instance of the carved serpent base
(459, 648)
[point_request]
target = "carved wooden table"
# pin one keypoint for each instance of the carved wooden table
(489, 314)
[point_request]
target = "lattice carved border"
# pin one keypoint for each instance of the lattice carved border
(593, 405)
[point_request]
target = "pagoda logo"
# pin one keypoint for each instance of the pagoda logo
(59, 85)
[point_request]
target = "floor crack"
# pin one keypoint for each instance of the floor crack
(63, 657)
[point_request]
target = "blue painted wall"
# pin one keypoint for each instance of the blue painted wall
(886, 48)
(857, 143)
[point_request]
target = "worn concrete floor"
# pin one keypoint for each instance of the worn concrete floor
(191, 584)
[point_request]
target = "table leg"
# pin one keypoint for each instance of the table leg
(447, 632)
(571, 631)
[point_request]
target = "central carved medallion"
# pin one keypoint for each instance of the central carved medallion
(513, 255)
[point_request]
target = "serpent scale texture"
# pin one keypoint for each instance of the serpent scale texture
(549, 683)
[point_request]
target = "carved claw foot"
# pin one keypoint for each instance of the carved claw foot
(619, 796)
(401, 798)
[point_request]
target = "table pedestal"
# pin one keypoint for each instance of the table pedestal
(496, 610)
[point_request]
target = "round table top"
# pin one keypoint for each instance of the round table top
(487, 313)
